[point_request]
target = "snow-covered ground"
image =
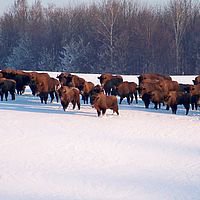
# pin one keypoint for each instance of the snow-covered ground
(49, 154)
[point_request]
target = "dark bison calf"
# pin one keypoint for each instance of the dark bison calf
(69, 95)
(7, 85)
(174, 98)
(101, 103)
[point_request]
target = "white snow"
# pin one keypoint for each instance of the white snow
(49, 154)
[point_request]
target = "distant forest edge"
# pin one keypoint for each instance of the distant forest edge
(117, 36)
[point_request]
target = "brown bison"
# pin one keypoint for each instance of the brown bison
(101, 103)
(153, 84)
(153, 76)
(174, 98)
(7, 85)
(86, 92)
(22, 78)
(168, 85)
(53, 85)
(195, 95)
(62, 78)
(127, 90)
(146, 90)
(196, 81)
(109, 82)
(70, 80)
(69, 95)
(40, 81)
(157, 97)
(97, 89)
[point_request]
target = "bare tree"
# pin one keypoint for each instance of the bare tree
(107, 18)
(179, 12)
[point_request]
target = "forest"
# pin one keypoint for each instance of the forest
(117, 36)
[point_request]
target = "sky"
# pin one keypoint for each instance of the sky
(6, 4)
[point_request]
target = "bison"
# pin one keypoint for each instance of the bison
(174, 98)
(7, 85)
(40, 81)
(86, 92)
(22, 78)
(146, 90)
(109, 82)
(67, 79)
(127, 89)
(195, 95)
(168, 85)
(157, 97)
(69, 95)
(153, 76)
(53, 85)
(101, 103)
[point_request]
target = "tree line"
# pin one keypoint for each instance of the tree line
(117, 36)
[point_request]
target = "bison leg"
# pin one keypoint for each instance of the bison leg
(41, 99)
(1, 96)
(120, 101)
(187, 107)
(146, 103)
(51, 96)
(6, 95)
(128, 99)
(65, 105)
(45, 98)
(74, 104)
(79, 105)
(98, 113)
(13, 96)
(174, 109)
(86, 98)
(156, 105)
(56, 95)
(116, 110)
(131, 97)
(136, 99)
(83, 98)
(103, 111)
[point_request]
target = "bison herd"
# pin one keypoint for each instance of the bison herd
(153, 88)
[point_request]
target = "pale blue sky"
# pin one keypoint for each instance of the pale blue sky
(6, 4)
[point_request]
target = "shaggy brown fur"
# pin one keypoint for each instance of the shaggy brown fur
(101, 103)
(109, 82)
(69, 95)
(41, 85)
(86, 92)
(127, 89)
(174, 98)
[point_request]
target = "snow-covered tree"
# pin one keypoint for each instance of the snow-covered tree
(21, 57)
(47, 61)
(74, 56)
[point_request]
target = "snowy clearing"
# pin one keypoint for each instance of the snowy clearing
(49, 154)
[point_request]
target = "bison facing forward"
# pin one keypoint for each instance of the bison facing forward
(69, 95)
(101, 103)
